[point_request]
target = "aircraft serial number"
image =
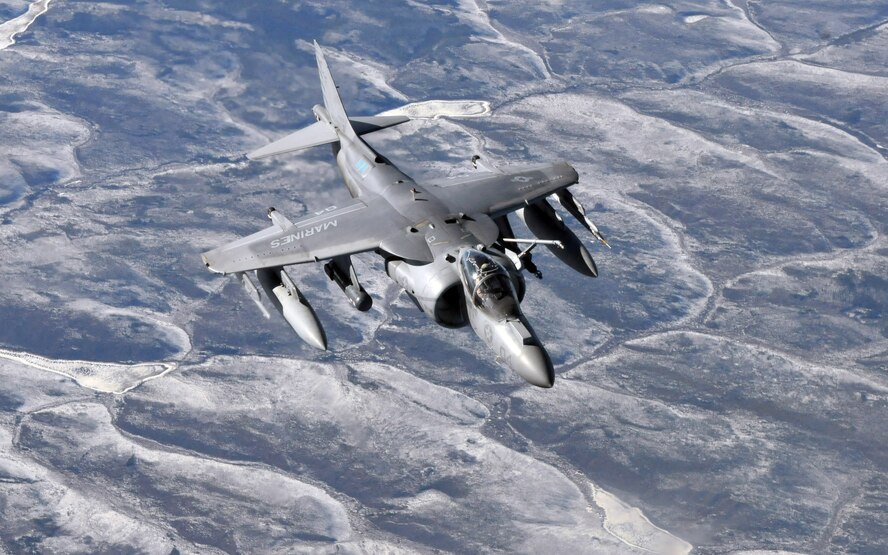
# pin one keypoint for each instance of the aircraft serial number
(303, 233)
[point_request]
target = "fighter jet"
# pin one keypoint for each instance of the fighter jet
(448, 244)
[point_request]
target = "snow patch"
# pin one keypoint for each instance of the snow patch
(17, 26)
(107, 377)
(629, 525)
(433, 109)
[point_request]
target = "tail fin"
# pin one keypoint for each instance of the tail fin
(331, 97)
(321, 132)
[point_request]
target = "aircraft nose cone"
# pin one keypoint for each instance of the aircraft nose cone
(533, 364)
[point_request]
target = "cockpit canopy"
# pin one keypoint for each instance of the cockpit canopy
(488, 285)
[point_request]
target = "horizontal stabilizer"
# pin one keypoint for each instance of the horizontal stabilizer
(322, 133)
(316, 134)
(369, 124)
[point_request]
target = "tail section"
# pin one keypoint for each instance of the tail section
(333, 122)
(332, 102)
(316, 134)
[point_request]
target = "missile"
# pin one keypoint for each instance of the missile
(545, 224)
(252, 292)
(292, 305)
(572, 205)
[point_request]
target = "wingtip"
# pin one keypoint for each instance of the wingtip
(206, 261)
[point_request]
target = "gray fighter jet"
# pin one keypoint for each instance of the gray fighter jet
(448, 244)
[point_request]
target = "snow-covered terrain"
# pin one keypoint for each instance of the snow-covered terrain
(722, 386)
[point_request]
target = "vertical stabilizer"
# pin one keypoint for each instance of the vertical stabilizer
(331, 97)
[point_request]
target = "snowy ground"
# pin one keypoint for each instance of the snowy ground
(722, 386)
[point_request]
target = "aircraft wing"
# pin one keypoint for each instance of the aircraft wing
(500, 192)
(335, 231)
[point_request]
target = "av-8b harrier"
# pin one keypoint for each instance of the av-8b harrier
(449, 245)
